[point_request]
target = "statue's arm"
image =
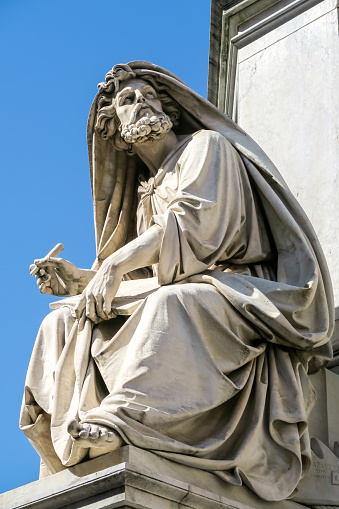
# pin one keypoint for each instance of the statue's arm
(96, 300)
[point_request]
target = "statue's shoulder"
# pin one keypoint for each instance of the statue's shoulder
(205, 144)
(210, 137)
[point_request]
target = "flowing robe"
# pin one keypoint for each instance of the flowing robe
(211, 370)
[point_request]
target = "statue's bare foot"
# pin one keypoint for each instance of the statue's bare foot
(94, 436)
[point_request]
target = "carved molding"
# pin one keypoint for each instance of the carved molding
(324, 506)
(225, 40)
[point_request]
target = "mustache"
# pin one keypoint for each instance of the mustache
(143, 106)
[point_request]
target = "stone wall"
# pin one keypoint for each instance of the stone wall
(274, 69)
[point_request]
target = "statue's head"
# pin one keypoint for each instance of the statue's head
(133, 109)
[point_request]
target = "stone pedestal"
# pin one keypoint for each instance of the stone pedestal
(133, 478)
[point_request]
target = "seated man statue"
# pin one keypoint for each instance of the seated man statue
(211, 370)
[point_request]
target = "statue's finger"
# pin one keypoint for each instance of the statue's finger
(99, 308)
(33, 269)
(44, 274)
(90, 307)
(48, 262)
(81, 321)
(107, 305)
(80, 306)
(37, 273)
(45, 288)
(91, 310)
(42, 286)
(46, 282)
(44, 279)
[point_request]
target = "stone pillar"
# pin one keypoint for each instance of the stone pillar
(274, 68)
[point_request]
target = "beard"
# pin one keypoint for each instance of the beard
(147, 128)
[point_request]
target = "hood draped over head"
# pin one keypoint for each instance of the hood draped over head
(113, 171)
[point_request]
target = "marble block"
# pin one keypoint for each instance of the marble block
(288, 101)
(133, 478)
(324, 418)
(321, 486)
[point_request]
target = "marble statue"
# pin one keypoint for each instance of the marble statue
(211, 368)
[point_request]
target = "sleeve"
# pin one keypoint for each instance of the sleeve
(204, 219)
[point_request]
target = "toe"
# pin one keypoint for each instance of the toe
(74, 428)
(85, 431)
(94, 432)
(111, 436)
(114, 439)
(103, 433)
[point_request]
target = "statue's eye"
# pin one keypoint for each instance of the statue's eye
(128, 99)
(150, 95)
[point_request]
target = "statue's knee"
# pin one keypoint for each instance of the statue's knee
(60, 317)
(166, 294)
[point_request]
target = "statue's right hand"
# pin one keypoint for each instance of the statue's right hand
(56, 276)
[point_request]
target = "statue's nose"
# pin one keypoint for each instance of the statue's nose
(140, 97)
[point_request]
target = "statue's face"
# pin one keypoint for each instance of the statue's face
(140, 113)
(136, 99)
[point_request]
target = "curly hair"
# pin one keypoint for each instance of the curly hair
(108, 123)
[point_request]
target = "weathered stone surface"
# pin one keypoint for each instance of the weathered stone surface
(284, 78)
(290, 76)
(321, 485)
(324, 418)
(133, 478)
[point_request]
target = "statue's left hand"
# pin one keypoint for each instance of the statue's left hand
(96, 300)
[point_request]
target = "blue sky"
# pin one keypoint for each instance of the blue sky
(53, 55)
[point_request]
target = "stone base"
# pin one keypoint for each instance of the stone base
(133, 478)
